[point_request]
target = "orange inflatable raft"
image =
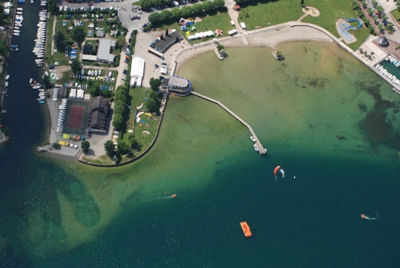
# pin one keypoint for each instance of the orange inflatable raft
(246, 229)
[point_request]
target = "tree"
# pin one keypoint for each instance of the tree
(155, 83)
(134, 144)
(155, 19)
(52, 5)
(85, 145)
(59, 40)
(175, 13)
(220, 47)
(56, 146)
(123, 147)
(76, 66)
(110, 148)
(46, 81)
(78, 34)
(153, 106)
(118, 121)
(94, 91)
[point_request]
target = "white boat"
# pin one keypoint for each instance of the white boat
(7, 76)
(255, 147)
(252, 138)
(6, 84)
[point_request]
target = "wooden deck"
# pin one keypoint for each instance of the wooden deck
(261, 148)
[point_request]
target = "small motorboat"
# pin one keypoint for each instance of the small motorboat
(7, 76)
(253, 139)
(246, 229)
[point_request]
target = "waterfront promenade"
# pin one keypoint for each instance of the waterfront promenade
(261, 148)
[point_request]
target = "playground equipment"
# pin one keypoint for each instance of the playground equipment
(346, 26)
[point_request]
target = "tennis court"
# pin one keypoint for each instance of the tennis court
(77, 113)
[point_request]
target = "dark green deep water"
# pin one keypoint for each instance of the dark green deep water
(313, 221)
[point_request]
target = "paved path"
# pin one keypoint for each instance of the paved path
(52, 37)
(261, 148)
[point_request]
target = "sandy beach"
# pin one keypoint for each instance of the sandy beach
(270, 37)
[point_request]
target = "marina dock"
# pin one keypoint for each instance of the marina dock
(261, 148)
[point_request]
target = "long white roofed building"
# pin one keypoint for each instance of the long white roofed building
(137, 71)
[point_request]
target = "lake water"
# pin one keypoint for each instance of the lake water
(324, 118)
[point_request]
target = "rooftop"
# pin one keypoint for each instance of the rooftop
(167, 41)
(105, 46)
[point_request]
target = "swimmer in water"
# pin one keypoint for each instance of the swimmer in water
(365, 217)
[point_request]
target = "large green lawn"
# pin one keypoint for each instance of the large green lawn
(270, 13)
(149, 123)
(396, 14)
(220, 21)
(330, 11)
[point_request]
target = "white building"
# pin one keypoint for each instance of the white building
(137, 71)
(72, 93)
(79, 94)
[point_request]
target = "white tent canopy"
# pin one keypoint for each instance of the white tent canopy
(137, 71)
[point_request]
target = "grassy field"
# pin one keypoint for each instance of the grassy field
(102, 160)
(270, 13)
(267, 14)
(220, 21)
(330, 11)
(139, 96)
(396, 14)
(49, 36)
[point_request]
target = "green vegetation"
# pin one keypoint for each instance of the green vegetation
(52, 6)
(220, 21)
(78, 35)
(330, 12)
(165, 17)
(155, 84)
(49, 35)
(85, 145)
(121, 109)
(396, 13)
(140, 134)
(56, 146)
(154, 102)
(76, 66)
(220, 47)
(110, 149)
(274, 12)
(270, 13)
(59, 41)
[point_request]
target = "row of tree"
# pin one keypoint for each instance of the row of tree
(148, 4)
(121, 108)
(360, 13)
(63, 43)
(169, 16)
(123, 148)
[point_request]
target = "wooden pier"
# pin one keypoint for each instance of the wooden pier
(261, 148)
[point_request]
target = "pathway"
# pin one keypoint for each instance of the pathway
(52, 37)
(261, 148)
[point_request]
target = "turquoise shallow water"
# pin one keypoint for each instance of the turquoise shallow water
(57, 213)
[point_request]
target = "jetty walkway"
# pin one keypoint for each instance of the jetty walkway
(261, 148)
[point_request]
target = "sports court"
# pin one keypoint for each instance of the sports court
(76, 117)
